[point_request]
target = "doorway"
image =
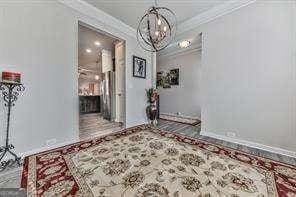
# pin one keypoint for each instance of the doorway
(179, 86)
(101, 82)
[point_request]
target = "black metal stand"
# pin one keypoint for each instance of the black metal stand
(10, 93)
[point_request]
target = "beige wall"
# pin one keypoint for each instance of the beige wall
(184, 98)
(248, 74)
(40, 40)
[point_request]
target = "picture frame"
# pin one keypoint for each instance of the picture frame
(159, 79)
(139, 67)
(174, 76)
(167, 81)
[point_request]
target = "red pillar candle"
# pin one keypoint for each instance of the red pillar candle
(11, 77)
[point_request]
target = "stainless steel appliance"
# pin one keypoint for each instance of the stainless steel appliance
(106, 87)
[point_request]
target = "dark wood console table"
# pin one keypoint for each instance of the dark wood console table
(89, 104)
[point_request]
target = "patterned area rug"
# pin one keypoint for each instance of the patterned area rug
(144, 161)
(191, 121)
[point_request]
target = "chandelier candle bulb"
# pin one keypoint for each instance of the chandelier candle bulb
(11, 77)
(97, 43)
(184, 44)
(159, 22)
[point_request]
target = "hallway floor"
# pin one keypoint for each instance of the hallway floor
(94, 125)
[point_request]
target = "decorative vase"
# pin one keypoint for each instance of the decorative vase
(151, 112)
(151, 109)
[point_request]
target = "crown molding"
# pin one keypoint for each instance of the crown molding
(192, 23)
(93, 12)
(178, 51)
(212, 14)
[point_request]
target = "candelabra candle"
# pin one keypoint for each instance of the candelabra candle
(11, 77)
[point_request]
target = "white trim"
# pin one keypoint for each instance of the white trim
(181, 116)
(216, 12)
(93, 12)
(212, 14)
(250, 144)
(39, 150)
(176, 52)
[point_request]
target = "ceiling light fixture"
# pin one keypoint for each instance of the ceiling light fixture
(88, 50)
(184, 44)
(97, 43)
(157, 28)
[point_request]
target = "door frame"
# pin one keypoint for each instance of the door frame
(97, 29)
(123, 79)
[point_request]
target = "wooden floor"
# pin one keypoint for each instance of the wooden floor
(181, 128)
(194, 131)
(94, 125)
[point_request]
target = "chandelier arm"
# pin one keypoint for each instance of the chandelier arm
(141, 32)
(169, 26)
(171, 13)
(174, 16)
(143, 47)
(144, 38)
(150, 38)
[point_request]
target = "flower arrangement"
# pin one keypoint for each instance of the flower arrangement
(152, 95)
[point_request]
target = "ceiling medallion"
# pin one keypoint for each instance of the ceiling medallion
(157, 28)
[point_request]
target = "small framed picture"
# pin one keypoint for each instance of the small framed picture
(159, 79)
(174, 74)
(139, 67)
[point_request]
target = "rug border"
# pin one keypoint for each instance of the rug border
(24, 174)
(226, 147)
(24, 177)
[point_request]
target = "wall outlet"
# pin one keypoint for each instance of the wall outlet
(231, 134)
(51, 142)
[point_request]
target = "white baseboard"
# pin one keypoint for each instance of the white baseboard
(39, 150)
(182, 116)
(276, 150)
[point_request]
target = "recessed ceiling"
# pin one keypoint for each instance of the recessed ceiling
(130, 11)
(88, 51)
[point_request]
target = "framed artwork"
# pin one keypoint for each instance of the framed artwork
(159, 79)
(139, 67)
(174, 76)
(167, 81)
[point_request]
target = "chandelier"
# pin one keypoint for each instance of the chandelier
(157, 28)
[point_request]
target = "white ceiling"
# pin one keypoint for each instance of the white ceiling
(86, 39)
(130, 11)
(92, 61)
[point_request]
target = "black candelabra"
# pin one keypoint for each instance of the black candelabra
(10, 93)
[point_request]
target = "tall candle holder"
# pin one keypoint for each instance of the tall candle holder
(10, 93)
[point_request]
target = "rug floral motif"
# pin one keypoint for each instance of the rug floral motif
(144, 161)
